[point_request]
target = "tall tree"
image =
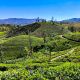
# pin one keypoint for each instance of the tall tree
(52, 19)
(44, 36)
(1, 54)
(37, 20)
(44, 20)
(30, 43)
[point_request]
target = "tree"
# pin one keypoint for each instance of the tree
(44, 36)
(48, 44)
(51, 45)
(52, 19)
(43, 20)
(37, 20)
(72, 28)
(30, 43)
(21, 52)
(1, 54)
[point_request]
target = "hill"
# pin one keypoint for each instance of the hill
(24, 21)
(17, 30)
(55, 53)
(73, 20)
(17, 21)
(16, 64)
(37, 29)
(50, 29)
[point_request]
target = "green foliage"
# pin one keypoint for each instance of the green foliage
(66, 71)
(16, 47)
(50, 28)
(73, 36)
(56, 59)
(17, 30)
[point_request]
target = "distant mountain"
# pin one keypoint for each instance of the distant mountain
(73, 20)
(17, 21)
(23, 21)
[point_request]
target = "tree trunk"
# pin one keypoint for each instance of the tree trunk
(30, 44)
(49, 56)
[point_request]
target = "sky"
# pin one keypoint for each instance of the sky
(59, 9)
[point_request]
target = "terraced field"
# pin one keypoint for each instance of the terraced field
(56, 59)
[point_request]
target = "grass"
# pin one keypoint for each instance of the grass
(2, 33)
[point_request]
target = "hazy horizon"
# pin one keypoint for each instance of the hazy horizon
(59, 9)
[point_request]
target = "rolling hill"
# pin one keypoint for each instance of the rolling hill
(57, 59)
(73, 20)
(17, 21)
(24, 21)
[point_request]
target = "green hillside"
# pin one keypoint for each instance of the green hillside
(50, 28)
(15, 46)
(72, 55)
(49, 52)
(73, 36)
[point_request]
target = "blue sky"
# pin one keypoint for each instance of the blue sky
(59, 9)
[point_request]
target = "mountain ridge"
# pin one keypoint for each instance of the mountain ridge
(17, 21)
(25, 21)
(72, 20)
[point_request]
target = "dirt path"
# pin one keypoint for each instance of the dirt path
(70, 52)
(69, 39)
